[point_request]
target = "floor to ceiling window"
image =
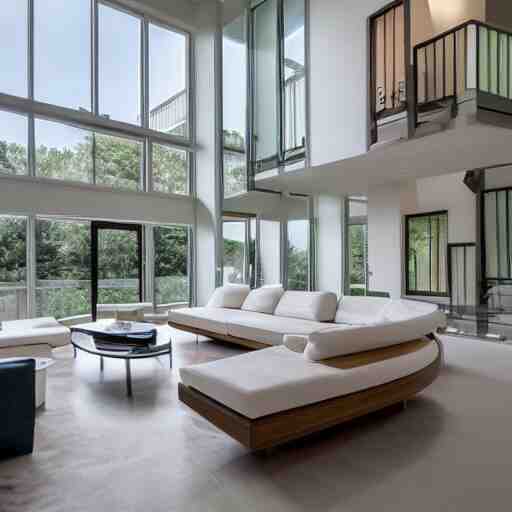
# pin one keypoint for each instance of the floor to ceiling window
(298, 255)
(132, 137)
(13, 267)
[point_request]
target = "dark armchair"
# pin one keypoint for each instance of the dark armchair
(17, 410)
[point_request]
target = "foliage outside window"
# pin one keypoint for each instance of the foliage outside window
(170, 170)
(426, 254)
(298, 257)
(63, 268)
(13, 144)
(171, 264)
(13, 267)
(358, 240)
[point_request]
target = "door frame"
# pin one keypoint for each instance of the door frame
(96, 226)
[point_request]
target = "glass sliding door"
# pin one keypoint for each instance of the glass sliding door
(116, 264)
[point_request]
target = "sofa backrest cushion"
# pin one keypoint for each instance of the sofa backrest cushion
(316, 306)
(264, 299)
(361, 310)
(230, 296)
(343, 339)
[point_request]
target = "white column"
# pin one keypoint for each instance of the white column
(385, 240)
(208, 92)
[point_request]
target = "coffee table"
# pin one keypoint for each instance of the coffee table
(82, 338)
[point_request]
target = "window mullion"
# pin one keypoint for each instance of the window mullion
(280, 83)
(30, 46)
(145, 73)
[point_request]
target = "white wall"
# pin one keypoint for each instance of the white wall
(338, 77)
(498, 178)
(446, 192)
(384, 239)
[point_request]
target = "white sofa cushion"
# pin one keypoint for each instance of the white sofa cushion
(361, 310)
(229, 296)
(344, 339)
(269, 329)
(316, 306)
(276, 379)
(208, 319)
(29, 324)
(263, 300)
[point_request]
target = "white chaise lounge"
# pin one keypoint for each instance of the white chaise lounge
(34, 337)
(373, 353)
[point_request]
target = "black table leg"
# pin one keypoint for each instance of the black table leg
(74, 351)
(128, 378)
(170, 359)
(102, 364)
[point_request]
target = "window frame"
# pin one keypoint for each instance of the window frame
(283, 157)
(92, 121)
(419, 293)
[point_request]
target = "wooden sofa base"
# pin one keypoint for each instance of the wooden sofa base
(255, 345)
(278, 428)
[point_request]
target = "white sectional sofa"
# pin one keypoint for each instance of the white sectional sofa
(324, 362)
(32, 337)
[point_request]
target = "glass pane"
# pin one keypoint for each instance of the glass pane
(118, 162)
(235, 173)
(118, 267)
(63, 152)
(442, 263)
(171, 264)
(491, 241)
(170, 170)
(265, 80)
(419, 254)
(357, 258)
(294, 75)
(13, 48)
(503, 255)
(62, 53)
(234, 76)
(298, 261)
(234, 233)
(13, 268)
(63, 257)
(270, 251)
(167, 81)
(434, 254)
(119, 63)
(484, 59)
(493, 41)
(503, 84)
(13, 143)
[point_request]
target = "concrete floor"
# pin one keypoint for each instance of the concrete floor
(97, 450)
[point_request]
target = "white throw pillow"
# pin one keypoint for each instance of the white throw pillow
(361, 310)
(230, 296)
(316, 306)
(295, 343)
(264, 299)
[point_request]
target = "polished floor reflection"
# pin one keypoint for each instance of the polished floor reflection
(98, 450)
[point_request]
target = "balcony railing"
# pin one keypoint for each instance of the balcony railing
(470, 61)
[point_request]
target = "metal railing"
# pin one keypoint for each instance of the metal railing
(470, 61)
(171, 115)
